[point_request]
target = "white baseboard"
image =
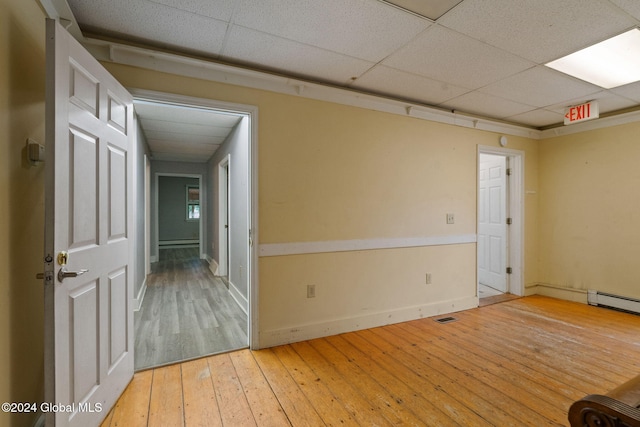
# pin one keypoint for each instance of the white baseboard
(137, 301)
(317, 330)
(179, 242)
(240, 299)
(213, 265)
(554, 291)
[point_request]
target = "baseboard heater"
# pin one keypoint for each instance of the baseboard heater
(613, 301)
(174, 244)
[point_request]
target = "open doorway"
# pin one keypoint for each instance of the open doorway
(178, 212)
(500, 224)
(190, 307)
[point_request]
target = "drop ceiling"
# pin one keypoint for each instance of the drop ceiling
(184, 134)
(481, 57)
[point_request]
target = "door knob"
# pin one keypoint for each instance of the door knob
(63, 273)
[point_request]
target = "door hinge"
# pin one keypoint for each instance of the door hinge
(509, 270)
(508, 171)
(509, 221)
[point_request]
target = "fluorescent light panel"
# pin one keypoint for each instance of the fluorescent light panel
(608, 64)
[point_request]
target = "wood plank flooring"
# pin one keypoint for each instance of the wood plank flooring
(488, 296)
(186, 313)
(517, 363)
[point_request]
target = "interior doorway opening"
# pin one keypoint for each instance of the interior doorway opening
(177, 214)
(493, 246)
(500, 227)
(193, 305)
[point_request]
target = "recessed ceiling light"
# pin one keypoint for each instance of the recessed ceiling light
(608, 64)
(433, 9)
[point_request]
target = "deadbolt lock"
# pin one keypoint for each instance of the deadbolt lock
(63, 257)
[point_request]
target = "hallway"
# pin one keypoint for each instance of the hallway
(187, 313)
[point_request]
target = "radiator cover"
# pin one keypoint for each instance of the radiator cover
(613, 301)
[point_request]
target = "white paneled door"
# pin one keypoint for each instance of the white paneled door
(88, 226)
(492, 222)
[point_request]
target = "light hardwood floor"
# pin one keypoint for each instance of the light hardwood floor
(488, 295)
(518, 363)
(186, 313)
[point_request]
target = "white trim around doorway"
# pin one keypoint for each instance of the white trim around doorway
(252, 113)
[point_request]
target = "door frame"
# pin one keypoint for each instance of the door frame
(156, 212)
(251, 112)
(147, 216)
(224, 204)
(515, 207)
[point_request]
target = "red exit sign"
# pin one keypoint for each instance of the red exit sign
(582, 112)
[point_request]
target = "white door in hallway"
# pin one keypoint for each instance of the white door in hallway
(492, 222)
(88, 230)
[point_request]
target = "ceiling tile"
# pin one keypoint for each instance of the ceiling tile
(173, 131)
(540, 87)
(632, 7)
(177, 127)
(537, 118)
(445, 55)
(387, 81)
(610, 102)
(540, 30)
(187, 115)
(486, 105)
(188, 148)
(180, 157)
(217, 9)
(607, 102)
(152, 23)
(364, 29)
(631, 91)
(289, 57)
(182, 138)
(432, 9)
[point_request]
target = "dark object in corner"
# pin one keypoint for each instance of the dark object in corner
(618, 408)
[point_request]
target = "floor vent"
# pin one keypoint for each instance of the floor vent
(617, 302)
(446, 320)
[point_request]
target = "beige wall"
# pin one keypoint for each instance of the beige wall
(22, 80)
(330, 172)
(590, 211)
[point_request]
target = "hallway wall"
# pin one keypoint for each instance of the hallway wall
(237, 147)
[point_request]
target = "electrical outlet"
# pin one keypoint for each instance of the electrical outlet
(450, 219)
(428, 278)
(311, 291)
